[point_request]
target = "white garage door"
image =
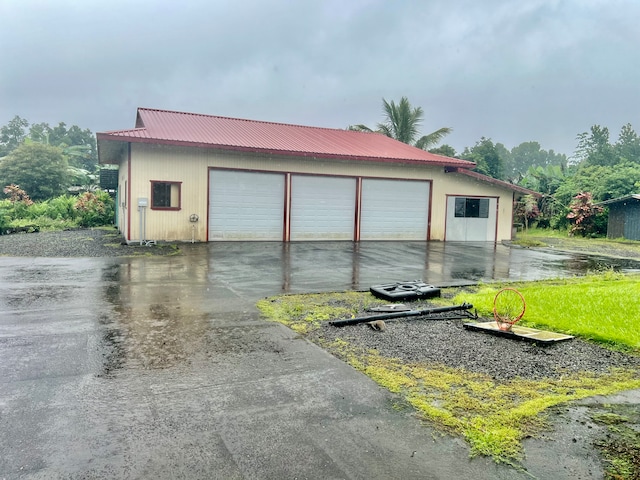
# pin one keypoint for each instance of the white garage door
(394, 210)
(471, 219)
(322, 208)
(245, 205)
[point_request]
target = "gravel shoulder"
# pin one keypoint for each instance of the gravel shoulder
(431, 339)
(88, 242)
(574, 428)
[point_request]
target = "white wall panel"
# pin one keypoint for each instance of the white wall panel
(464, 229)
(245, 205)
(394, 210)
(322, 208)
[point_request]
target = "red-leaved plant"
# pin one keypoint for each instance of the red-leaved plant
(16, 194)
(94, 209)
(582, 215)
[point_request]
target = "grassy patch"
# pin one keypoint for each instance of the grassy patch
(542, 233)
(621, 446)
(604, 308)
(561, 239)
(529, 242)
(493, 416)
(304, 312)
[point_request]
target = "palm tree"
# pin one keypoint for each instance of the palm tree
(402, 122)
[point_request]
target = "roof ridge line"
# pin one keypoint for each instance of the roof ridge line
(255, 121)
(125, 130)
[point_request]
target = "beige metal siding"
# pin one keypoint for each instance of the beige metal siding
(190, 166)
(157, 163)
(460, 185)
(123, 195)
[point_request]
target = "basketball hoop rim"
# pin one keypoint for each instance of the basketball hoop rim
(502, 320)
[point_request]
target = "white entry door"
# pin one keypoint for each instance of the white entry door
(246, 205)
(394, 209)
(471, 219)
(322, 208)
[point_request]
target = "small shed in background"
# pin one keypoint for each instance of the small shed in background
(624, 217)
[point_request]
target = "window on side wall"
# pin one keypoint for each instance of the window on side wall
(165, 195)
(472, 207)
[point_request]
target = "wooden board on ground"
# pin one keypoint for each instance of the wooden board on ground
(519, 333)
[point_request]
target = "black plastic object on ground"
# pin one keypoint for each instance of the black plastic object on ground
(405, 291)
(410, 313)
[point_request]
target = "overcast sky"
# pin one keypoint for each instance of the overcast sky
(509, 70)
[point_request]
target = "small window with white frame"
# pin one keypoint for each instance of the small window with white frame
(165, 195)
(472, 207)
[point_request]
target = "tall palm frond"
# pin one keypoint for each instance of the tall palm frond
(359, 128)
(402, 122)
(432, 139)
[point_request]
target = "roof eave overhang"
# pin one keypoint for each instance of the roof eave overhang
(620, 199)
(110, 149)
(264, 151)
(493, 181)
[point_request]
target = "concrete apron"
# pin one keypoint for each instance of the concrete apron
(162, 367)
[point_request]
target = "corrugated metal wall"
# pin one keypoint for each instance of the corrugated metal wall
(615, 225)
(632, 221)
(624, 220)
(190, 166)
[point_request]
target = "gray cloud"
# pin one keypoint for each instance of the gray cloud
(514, 71)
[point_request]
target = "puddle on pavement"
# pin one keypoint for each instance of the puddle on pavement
(52, 270)
(164, 337)
(148, 325)
(163, 318)
(151, 336)
(165, 312)
(40, 297)
(589, 264)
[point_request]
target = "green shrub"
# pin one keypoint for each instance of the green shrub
(91, 209)
(46, 223)
(36, 210)
(62, 207)
(95, 209)
(5, 219)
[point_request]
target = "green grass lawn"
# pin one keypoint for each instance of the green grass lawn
(560, 239)
(604, 308)
(493, 416)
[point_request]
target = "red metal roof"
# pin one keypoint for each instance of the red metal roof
(190, 129)
(494, 181)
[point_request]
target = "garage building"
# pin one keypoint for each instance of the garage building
(192, 177)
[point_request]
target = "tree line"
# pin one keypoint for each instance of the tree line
(599, 169)
(45, 161)
(48, 175)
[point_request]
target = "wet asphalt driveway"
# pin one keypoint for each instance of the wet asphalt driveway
(160, 367)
